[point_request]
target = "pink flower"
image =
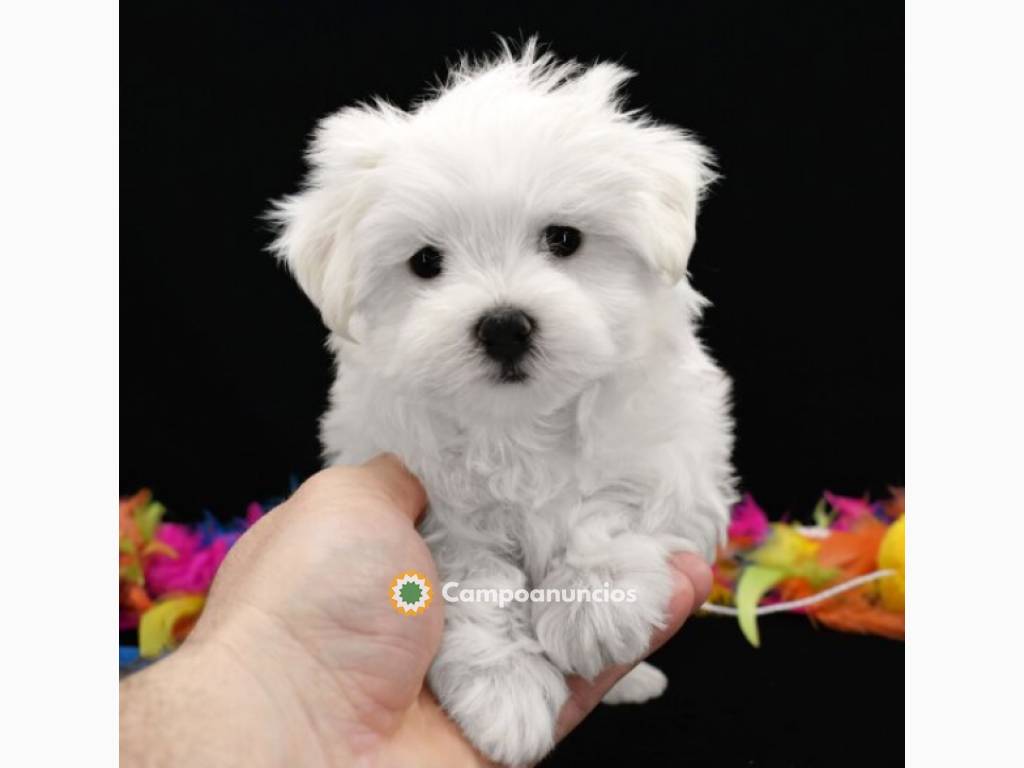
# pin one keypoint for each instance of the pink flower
(848, 510)
(748, 520)
(194, 567)
(253, 513)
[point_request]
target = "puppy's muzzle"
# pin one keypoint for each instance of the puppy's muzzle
(506, 335)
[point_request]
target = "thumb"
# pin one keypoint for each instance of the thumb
(386, 474)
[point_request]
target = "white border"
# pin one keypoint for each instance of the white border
(58, 420)
(965, 164)
(58, 382)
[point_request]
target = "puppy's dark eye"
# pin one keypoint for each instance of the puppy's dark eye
(426, 262)
(562, 241)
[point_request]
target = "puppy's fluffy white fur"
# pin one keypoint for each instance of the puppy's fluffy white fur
(613, 452)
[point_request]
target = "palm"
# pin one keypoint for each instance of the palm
(318, 570)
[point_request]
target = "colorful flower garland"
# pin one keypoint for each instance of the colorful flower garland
(846, 571)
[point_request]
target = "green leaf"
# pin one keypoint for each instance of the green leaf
(754, 582)
(148, 518)
(822, 518)
(131, 573)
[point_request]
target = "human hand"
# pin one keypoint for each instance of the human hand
(299, 657)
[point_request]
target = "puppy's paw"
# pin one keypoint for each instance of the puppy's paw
(642, 683)
(507, 711)
(586, 637)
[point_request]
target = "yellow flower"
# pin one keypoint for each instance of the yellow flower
(892, 554)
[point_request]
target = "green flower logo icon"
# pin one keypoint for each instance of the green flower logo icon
(410, 593)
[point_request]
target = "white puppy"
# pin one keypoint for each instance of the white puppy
(503, 273)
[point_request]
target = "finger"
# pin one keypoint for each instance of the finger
(698, 572)
(389, 476)
(692, 585)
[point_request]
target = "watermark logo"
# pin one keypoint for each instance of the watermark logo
(501, 597)
(410, 593)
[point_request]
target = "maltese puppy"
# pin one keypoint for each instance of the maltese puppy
(503, 273)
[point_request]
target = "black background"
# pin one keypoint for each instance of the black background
(223, 374)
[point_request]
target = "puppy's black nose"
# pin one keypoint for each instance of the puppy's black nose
(505, 334)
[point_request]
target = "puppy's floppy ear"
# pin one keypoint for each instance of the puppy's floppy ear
(315, 225)
(678, 171)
